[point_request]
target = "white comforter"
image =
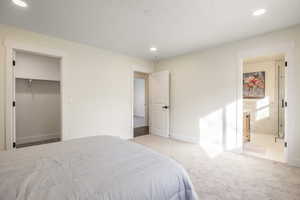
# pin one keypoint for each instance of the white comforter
(102, 168)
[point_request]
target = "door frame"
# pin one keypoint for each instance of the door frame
(288, 49)
(143, 70)
(11, 47)
(146, 100)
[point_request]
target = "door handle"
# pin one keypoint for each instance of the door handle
(165, 107)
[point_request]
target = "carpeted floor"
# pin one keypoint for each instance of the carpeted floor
(230, 176)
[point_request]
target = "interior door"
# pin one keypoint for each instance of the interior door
(281, 99)
(159, 112)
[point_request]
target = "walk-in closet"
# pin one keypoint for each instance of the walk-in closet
(37, 99)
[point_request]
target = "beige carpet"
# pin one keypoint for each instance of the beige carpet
(230, 176)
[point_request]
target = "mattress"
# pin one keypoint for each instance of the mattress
(102, 168)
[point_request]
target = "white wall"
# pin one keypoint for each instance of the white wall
(34, 66)
(96, 85)
(264, 112)
(204, 91)
(38, 111)
(139, 97)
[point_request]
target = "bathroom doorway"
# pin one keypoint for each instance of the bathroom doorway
(264, 102)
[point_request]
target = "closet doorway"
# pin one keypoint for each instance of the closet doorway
(36, 99)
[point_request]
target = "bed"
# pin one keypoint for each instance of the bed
(102, 168)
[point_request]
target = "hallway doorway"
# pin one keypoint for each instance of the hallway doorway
(141, 94)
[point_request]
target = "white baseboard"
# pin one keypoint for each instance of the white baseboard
(160, 135)
(184, 138)
(37, 138)
(294, 162)
(127, 138)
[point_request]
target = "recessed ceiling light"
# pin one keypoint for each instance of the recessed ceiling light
(20, 3)
(153, 49)
(259, 12)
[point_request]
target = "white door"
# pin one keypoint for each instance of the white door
(281, 99)
(159, 89)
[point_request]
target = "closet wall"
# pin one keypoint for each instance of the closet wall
(38, 110)
(34, 66)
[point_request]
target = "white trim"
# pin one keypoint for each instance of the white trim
(288, 49)
(9, 116)
(9, 138)
(142, 69)
(158, 134)
(188, 139)
(126, 138)
(294, 162)
(34, 49)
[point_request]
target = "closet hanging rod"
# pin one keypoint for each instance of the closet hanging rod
(34, 79)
